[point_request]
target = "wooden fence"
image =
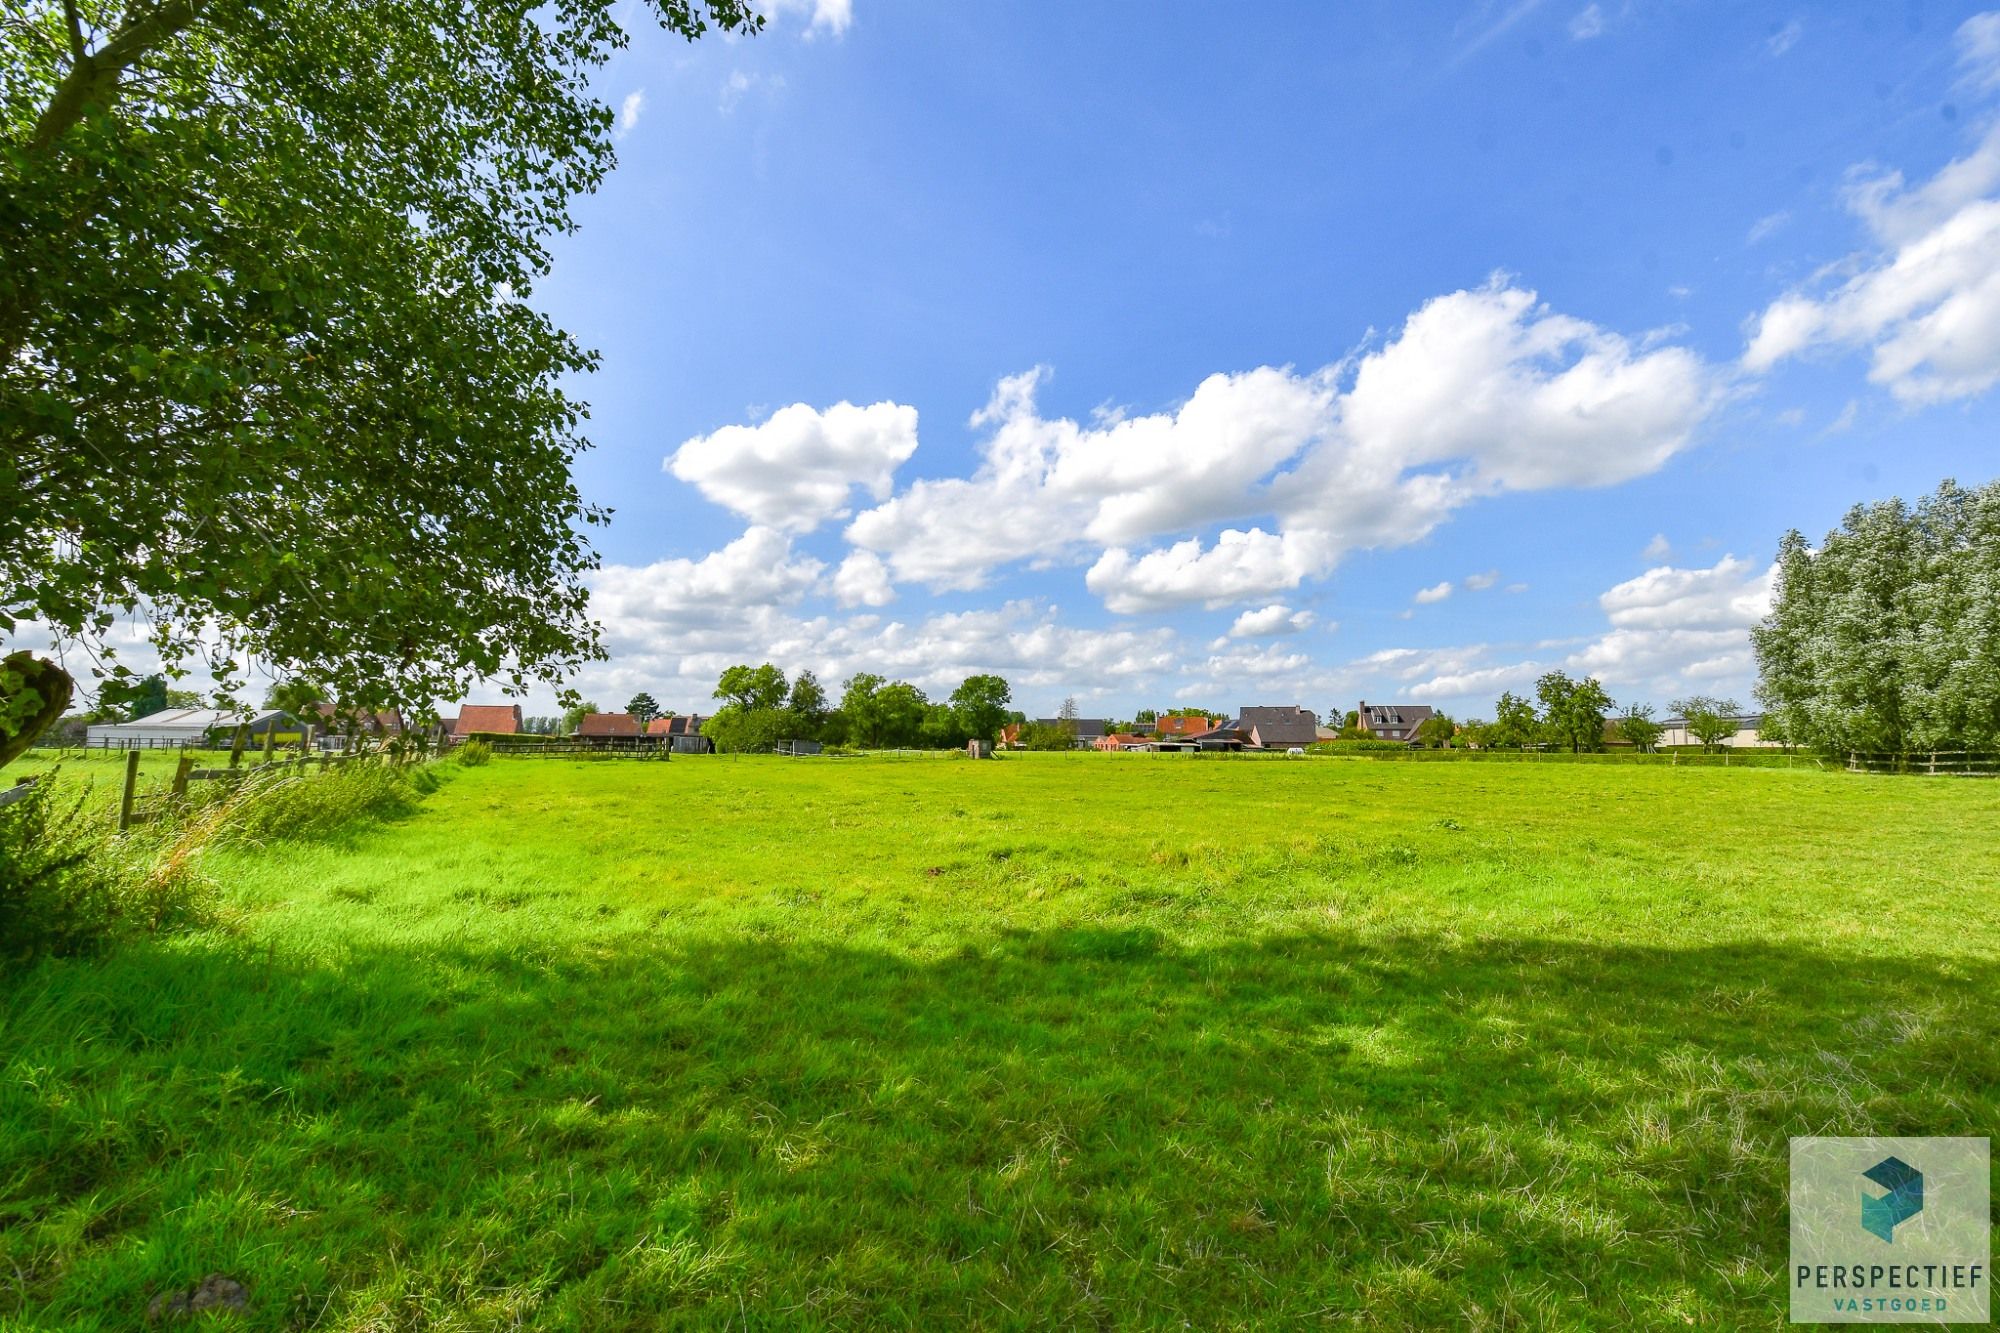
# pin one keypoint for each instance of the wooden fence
(136, 809)
(638, 747)
(1929, 763)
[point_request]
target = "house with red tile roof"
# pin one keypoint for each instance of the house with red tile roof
(1182, 728)
(503, 719)
(609, 724)
(682, 733)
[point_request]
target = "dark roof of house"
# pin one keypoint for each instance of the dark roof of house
(1087, 728)
(1287, 725)
(608, 724)
(502, 718)
(1395, 722)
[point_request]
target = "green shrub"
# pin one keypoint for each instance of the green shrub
(474, 753)
(69, 885)
(1356, 747)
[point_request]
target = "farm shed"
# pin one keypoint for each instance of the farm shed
(1748, 734)
(182, 726)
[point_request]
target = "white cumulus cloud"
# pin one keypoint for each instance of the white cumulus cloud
(1480, 392)
(1924, 302)
(863, 580)
(1276, 618)
(800, 466)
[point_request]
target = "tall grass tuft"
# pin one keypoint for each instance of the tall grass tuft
(474, 753)
(69, 885)
(311, 807)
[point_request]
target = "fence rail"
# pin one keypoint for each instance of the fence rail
(1929, 763)
(640, 747)
(137, 808)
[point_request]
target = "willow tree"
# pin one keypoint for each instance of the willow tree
(1886, 636)
(269, 374)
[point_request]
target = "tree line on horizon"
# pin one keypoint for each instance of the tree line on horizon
(761, 707)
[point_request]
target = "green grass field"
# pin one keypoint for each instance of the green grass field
(1053, 1041)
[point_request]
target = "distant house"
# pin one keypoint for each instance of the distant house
(1182, 728)
(1271, 728)
(1222, 736)
(683, 733)
(1126, 740)
(172, 727)
(368, 726)
(1748, 733)
(609, 724)
(499, 719)
(1393, 722)
(1087, 730)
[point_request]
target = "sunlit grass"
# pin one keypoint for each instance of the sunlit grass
(1040, 1042)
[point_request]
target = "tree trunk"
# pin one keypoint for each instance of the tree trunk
(34, 692)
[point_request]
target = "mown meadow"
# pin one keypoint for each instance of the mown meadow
(1049, 1041)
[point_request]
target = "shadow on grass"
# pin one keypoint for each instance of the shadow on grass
(1090, 1125)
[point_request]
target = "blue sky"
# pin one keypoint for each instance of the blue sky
(1556, 314)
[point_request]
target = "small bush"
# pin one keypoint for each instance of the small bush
(474, 753)
(1357, 747)
(68, 885)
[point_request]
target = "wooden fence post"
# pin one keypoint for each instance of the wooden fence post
(306, 741)
(131, 782)
(181, 771)
(270, 740)
(237, 742)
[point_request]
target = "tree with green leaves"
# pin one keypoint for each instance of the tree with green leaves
(1436, 731)
(1515, 725)
(981, 702)
(134, 698)
(1048, 736)
(807, 705)
(268, 370)
(574, 715)
(643, 707)
(902, 708)
(1572, 710)
(860, 713)
(298, 697)
(1636, 726)
(1709, 720)
(751, 687)
(1885, 636)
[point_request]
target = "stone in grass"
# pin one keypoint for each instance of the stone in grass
(215, 1293)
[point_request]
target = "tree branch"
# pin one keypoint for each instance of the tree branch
(94, 76)
(78, 48)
